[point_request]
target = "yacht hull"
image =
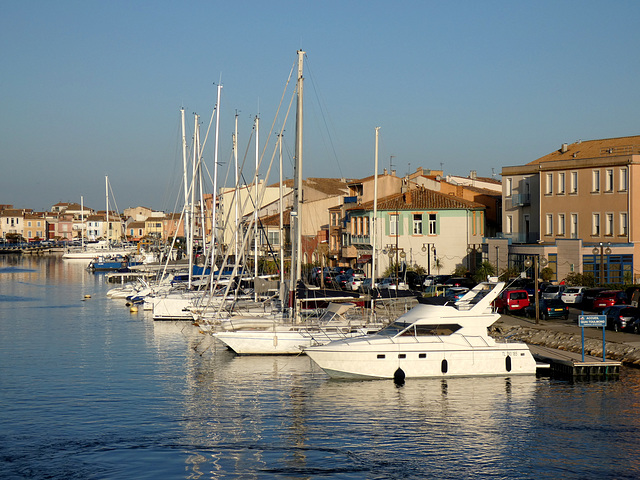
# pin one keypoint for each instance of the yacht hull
(348, 360)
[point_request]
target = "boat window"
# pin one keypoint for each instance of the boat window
(402, 355)
(393, 329)
(381, 355)
(440, 330)
(422, 355)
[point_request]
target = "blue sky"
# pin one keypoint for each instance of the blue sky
(90, 89)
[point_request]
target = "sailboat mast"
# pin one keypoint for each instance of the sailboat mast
(82, 222)
(255, 211)
(296, 257)
(235, 159)
(185, 173)
(106, 189)
(373, 225)
(215, 187)
(280, 237)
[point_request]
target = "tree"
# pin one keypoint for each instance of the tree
(547, 274)
(580, 280)
(460, 271)
(486, 269)
(509, 272)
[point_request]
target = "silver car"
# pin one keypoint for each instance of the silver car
(573, 295)
(553, 291)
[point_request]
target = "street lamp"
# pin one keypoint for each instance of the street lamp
(537, 260)
(602, 252)
(426, 247)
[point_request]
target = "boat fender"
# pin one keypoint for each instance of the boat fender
(275, 340)
(445, 366)
(507, 362)
(399, 376)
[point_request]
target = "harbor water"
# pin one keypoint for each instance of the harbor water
(90, 390)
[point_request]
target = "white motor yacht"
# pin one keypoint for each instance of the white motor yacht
(431, 340)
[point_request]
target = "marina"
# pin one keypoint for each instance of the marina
(90, 390)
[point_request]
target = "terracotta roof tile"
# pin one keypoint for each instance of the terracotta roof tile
(607, 147)
(421, 199)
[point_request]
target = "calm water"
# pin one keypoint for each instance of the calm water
(90, 391)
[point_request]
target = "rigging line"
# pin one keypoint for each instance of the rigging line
(321, 105)
(275, 117)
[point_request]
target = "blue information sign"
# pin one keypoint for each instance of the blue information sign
(592, 320)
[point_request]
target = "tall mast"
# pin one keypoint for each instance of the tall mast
(215, 187)
(296, 254)
(281, 239)
(82, 222)
(194, 170)
(373, 225)
(255, 211)
(237, 200)
(106, 189)
(185, 173)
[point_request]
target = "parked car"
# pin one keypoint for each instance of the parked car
(511, 300)
(608, 298)
(573, 295)
(460, 282)
(413, 280)
(392, 283)
(589, 295)
(553, 291)
(455, 293)
(366, 284)
(621, 317)
(355, 283)
(548, 308)
(342, 281)
(355, 272)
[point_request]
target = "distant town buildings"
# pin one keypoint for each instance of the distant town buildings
(574, 207)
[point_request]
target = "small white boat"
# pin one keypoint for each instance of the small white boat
(262, 336)
(430, 340)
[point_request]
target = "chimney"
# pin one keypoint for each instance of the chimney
(563, 148)
(384, 171)
(393, 172)
(407, 197)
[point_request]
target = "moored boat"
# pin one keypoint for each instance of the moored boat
(430, 340)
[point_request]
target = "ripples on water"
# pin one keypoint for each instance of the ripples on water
(89, 390)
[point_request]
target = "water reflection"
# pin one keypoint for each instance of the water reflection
(91, 390)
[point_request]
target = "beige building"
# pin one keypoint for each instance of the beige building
(587, 193)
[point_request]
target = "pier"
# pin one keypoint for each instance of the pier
(570, 365)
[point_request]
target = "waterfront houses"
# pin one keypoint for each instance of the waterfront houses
(575, 207)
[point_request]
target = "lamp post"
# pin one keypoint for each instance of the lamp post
(426, 248)
(602, 252)
(535, 262)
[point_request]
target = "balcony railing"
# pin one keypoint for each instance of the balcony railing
(519, 237)
(359, 239)
(518, 200)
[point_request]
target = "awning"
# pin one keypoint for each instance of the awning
(364, 259)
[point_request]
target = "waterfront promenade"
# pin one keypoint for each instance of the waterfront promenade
(567, 335)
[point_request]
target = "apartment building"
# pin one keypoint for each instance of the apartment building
(577, 205)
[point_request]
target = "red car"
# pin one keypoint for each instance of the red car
(511, 300)
(609, 298)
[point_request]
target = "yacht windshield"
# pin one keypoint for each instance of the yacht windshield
(393, 329)
(419, 330)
